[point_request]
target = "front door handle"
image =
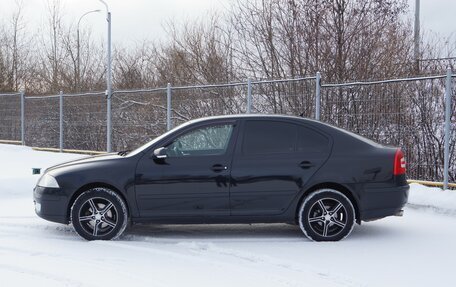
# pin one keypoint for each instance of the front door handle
(218, 168)
(306, 164)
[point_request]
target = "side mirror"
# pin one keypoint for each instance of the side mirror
(161, 153)
(36, 170)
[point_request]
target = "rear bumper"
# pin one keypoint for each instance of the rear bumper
(50, 204)
(382, 202)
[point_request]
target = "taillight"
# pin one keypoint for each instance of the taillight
(399, 163)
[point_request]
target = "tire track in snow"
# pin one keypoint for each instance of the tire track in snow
(268, 261)
(209, 249)
(280, 281)
(90, 264)
(63, 281)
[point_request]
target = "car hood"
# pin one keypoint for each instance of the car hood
(85, 160)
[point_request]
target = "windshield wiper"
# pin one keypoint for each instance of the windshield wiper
(123, 153)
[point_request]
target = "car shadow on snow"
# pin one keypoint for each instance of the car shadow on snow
(367, 231)
(214, 232)
(245, 232)
(220, 232)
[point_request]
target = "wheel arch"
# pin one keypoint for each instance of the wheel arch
(89, 186)
(332, 185)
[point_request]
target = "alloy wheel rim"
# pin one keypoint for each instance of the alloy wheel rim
(98, 216)
(327, 217)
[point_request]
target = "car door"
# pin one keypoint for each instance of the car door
(194, 178)
(273, 161)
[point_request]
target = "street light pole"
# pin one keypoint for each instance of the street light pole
(78, 65)
(108, 83)
(417, 36)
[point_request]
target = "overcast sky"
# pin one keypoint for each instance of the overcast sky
(136, 20)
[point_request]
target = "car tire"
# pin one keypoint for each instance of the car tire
(326, 215)
(99, 214)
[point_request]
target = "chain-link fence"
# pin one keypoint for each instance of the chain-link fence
(292, 97)
(138, 116)
(210, 100)
(10, 117)
(84, 121)
(42, 121)
(409, 113)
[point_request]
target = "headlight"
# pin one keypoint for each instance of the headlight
(48, 181)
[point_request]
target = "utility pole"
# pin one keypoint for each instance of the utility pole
(108, 83)
(417, 36)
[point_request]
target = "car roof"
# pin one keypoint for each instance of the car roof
(253, 116)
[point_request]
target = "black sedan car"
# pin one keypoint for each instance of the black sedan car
(231, 169)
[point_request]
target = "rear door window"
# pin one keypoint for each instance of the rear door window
(268, 137)
(311, 141)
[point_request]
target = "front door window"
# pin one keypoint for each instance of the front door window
(212, 140)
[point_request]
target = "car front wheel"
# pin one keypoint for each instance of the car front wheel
(99, 214)
(326, 215)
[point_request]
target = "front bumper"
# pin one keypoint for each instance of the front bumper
(51, 204)
(382, 202)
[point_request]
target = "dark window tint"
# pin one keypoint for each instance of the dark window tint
(311, 141)
(262, 137)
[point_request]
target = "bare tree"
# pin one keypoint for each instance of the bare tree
(51, 52)
(344, 39)
(135, 67)
(14, 51)
(198, 52)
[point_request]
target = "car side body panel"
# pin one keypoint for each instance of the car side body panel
(185, 186)
(109, 170)
(267, 184)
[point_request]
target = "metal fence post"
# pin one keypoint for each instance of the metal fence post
(249, 96)
(168, 107)
(61, 121)
(22, 118)
(108, 121)
(448, 95)
(317, 96)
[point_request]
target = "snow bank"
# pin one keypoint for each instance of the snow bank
(16, 168)
(441, 201)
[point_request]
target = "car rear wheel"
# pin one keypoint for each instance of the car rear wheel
(327, 215)
(99, 214)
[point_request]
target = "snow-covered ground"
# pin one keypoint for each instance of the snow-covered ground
(418, 249)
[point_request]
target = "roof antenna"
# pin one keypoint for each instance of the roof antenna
(301, 114)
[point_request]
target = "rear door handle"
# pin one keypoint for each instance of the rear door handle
(306, 164)
(218, 168)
